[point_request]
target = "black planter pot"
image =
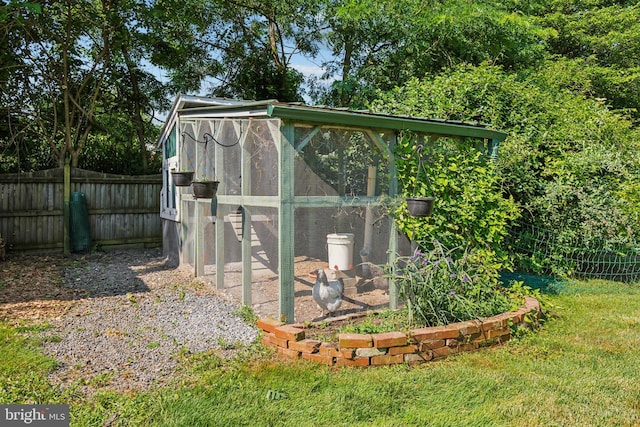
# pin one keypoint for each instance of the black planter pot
(420, 206)
(182, 179)
(205, 189)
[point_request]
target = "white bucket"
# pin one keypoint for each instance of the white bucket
(340, 248)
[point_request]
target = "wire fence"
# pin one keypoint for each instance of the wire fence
(593, 260)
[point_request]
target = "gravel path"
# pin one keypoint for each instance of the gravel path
(140, 314)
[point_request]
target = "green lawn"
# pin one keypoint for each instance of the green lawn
(581, 369)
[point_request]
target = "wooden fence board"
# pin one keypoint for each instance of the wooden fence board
(122, 209)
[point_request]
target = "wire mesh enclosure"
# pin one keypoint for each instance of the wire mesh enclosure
(300, 189)
(580, 259)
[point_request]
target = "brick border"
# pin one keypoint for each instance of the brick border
(415, 347)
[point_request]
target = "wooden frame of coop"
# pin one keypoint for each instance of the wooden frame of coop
(274, 163)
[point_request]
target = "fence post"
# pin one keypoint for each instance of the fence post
(65, 208)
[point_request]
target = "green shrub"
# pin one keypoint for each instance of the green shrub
(469, 208)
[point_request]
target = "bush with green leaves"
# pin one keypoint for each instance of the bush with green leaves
(437, 287)
(570, 163)
(469, 208)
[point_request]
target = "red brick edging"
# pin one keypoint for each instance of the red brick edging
(415, 347)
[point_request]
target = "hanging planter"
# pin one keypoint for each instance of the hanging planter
(420, 206)
(182, 179)
(205, 189)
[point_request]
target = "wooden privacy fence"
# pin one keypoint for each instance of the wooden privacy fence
(123, 210)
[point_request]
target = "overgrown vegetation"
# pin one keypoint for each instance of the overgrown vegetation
(23, 369)
(569, 164)
(247, 315)
(377, 322)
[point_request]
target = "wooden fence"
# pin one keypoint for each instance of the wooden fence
(123, 210)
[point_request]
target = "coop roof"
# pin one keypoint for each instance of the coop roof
(193, 106)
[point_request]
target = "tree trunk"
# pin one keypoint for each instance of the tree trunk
(75, 156)
(139, 122)
(346, 70)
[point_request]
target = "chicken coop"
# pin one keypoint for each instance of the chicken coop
(259, 195)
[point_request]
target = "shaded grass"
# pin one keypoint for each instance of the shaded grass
(580, 369)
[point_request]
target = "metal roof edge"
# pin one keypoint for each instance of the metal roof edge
(302, 112)
(381, 121)
(206, 102)
(240, 105)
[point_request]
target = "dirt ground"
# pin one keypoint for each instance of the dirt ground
(361, 294)
(31, 288)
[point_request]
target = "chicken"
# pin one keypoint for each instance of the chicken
(328, 295)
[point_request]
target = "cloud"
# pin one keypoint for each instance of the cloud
(308, 69)
(311, 70)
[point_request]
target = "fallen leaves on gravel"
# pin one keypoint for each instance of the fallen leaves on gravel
(31, 288)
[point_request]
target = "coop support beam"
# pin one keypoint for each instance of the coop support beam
(308, 139)
(365, 252)
(388, 149)
(259, 201)
(300, 201)
(219, 154)
(199, 239)
(286, 231)
(379, 142)
(379, 121)
(219, 250)
(246, 226)
(393, 229)
(184, 230)
(246, 257)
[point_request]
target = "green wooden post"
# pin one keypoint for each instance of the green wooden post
(65, 209)
(200, 207)
(286, 232)
(393, 192)
(219, 166)
(219, 250)
(246, 225)
(246, 257)
(393, 229)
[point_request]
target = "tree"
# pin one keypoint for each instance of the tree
(602, 40)
(70, 61)
(382, 44)
(75, 73)
(255, 42)
(19, 143)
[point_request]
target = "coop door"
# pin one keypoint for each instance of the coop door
(168, 197)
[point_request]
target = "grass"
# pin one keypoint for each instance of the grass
(580, 369)
(23, 369)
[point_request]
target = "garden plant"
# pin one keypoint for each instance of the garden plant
(439, 287)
